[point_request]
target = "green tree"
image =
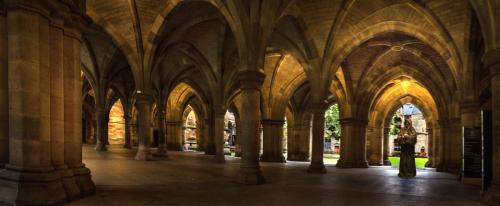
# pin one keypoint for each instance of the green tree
(332, 123)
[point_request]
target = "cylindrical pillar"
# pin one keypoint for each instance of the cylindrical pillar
(144, 126)
(251, 83)
(73, 112)
(29, 177)
(386, 146)
(162, 143)
(376, 137)
(101, 124)
(430, 148)
(174, 136)
(4, 94)
(128, 135)
(57, 108)
(209, 141)
(219, 136)
(492, 62)
(318, 143)
(352, 144)
(272, 141)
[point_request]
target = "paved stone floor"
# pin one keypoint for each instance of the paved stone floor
(190, 178)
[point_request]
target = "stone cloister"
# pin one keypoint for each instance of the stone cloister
(64, 64)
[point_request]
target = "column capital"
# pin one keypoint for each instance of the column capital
(470, 106)
(143, 98)
(251, 79)
(273, 122)
(318, 108)
(491, 61)
(353, 121)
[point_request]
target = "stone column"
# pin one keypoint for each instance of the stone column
(237, 149)
(492, 62)
(251, 83)
(73, 112)
(101, 124)
(29, 178)
(352, 144)
(106, 127)
(162, 143)
(318, 143)
(451, 146)
(219, 135)
(4, 94)
(272, 141)
(128, 135)
(209, 143)
(376, 146)
(174, 136)
(144, 126)
(386, 146)
(430, 148)
(302, 142)
(58, 64)
(200, 138)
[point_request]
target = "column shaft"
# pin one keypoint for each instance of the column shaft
(352, 144)
(128, 135)
(101, 126)
(318, 142)
(209, 143)
(162, 143)
(144, 126)
(386, 146)
(219, 136)
(174, 136)
(272, 141)
(4, 94)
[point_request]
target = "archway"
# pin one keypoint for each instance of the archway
(116, 124)
(332, 135)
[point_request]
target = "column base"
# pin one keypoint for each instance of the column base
(99, 146)
(31, 187)
(272, 158)
(210, 151)
(175, 147)
(298, 157)
(143, 154)
(316, 167)
(161, 152)
(492, 195)
(127, 145)
(387, 162)
(352, 163)
(69, 182)
(429, 164)
(220, 159)
(83, 179)
(250, 176)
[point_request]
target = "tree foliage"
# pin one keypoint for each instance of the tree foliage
(332, 123)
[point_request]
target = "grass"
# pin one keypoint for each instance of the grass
(419, 162)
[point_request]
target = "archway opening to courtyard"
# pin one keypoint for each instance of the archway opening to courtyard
(116, 124)
(419, 123)
(331, 152)
(190, 130)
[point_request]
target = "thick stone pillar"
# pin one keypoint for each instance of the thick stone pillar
(101, 125)
(128, 135)
(386, 154)
(209, 143)
(376, 136)
(162, 143)
(301, 145)
(174, 136)
(430, 148)
(451, 147)
(29, 178)
(4, 94)
(273, 141)
(237, 147)
(219, 136)
(73, 112)
(200, 138)
(144, 126)
(318, 141)
(492, 62)
(352, 144)
(58, 63)
(251, 83)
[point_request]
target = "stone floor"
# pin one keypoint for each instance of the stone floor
(190, 178)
